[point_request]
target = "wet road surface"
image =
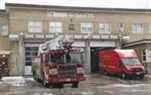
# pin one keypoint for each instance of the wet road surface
(94, 85)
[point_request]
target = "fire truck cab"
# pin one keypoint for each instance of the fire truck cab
(58, 63)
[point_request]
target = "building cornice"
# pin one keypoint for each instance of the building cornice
(139, 42)
(75, 9)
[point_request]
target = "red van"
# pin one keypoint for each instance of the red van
(123, 62)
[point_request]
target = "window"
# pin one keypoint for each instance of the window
(130, 61)
(30, 53)
(57, 59)
(120, 27)
(148, 55)
(3, 29)
(137, 28)
(55, 27)
(143, 55)
(35, 26)
(76, 57)
(86, 27)
(149, 27)
(104, 27)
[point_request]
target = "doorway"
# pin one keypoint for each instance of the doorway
(94, 60)
(30, 52)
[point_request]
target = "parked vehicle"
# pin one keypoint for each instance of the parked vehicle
(124, 62)
(58, 63)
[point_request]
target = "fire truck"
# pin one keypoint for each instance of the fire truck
(58, 63)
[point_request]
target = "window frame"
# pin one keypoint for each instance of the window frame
(106, 27)
(31, 25)
(53, 27)
(3, 29)
(137, 28)
(84, 25)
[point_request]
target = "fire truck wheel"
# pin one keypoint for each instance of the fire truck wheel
(45, 83)
(75, 85)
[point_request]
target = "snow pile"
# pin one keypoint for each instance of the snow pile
(14, 81)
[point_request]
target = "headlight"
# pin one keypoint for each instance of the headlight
(80, 70)
(53, 71)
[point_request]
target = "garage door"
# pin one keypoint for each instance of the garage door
(31, 51)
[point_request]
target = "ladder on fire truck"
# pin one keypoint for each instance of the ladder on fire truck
(60, 42)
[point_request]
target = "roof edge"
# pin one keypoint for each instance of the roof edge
(74, 7)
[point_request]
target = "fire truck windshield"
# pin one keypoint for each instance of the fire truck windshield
(56, 59)
(66, 58)
(76, 57)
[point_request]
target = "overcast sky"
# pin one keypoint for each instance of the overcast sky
(87, 3)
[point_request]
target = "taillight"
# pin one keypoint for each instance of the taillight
(80, 70)
(53, 71)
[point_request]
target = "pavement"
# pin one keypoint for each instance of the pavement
(95, 84)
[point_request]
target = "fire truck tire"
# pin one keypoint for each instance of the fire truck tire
(45, 83)
(75, 85)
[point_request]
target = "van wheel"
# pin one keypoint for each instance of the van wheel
(141, 76)
(123, 76)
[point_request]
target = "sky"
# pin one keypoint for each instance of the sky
(140, 4)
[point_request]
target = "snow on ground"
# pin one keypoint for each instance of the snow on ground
(14, 81)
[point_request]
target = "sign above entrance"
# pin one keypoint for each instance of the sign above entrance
(39, 36)
(29, 36)
(102, 44)
(49, 36)
(13, 37)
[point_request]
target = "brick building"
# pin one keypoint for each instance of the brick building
(24, 26)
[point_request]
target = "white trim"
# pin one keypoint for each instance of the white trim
(79, 44)
(102, 44)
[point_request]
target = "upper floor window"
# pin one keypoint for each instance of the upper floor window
(3, 29)
(35, 26)
(55, 27)
(137, 27)
(120, 27)
(148, 27)
(86, 27)
(104, 27)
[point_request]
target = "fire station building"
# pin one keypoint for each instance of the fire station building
(24, 26)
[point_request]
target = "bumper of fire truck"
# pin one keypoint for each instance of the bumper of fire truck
(65, 79)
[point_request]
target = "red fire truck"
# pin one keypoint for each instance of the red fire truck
(58, 62)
